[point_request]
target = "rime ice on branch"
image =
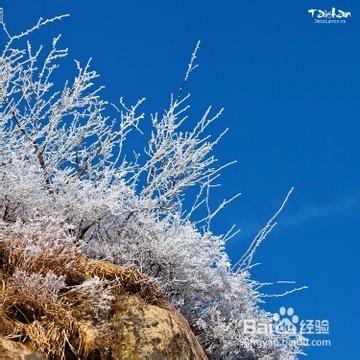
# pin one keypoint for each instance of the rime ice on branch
(65, 166)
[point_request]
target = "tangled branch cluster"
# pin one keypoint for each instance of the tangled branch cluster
(64, 164)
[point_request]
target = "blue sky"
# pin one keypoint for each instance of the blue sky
(290, 89)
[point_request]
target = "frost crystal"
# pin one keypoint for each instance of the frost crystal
(65, 173)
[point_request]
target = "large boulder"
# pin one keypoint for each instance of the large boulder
(141, 331)
(63, 306)
(145, 331)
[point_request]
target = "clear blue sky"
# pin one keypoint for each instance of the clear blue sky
(290, 89)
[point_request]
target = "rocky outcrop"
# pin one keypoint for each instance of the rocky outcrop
(145, 331)
(140, 331)
(36, 324)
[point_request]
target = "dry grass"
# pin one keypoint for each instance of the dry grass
(46, 307)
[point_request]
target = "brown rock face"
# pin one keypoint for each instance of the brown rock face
(145, 331)
(140, 331)
(137, 323)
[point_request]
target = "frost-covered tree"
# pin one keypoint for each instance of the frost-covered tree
(67, 173)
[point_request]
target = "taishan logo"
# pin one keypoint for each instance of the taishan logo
(333, 16)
